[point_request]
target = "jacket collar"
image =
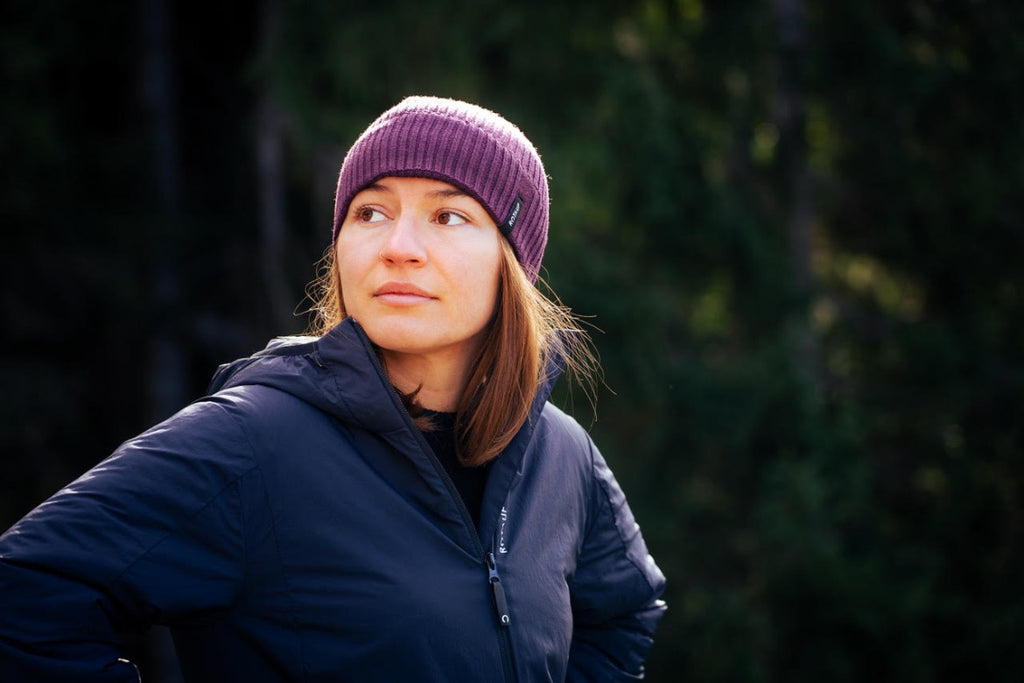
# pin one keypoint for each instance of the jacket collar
(339, 373)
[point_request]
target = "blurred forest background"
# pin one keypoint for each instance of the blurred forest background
(797, 223)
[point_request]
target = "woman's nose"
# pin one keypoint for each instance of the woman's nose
(404, 243)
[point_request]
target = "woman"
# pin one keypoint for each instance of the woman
(392, 499)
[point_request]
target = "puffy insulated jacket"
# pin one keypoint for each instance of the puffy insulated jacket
(294, 525)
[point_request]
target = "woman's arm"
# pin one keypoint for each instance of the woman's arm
(615, 589)
(148, 535)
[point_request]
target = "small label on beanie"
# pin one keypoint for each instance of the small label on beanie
(513, 215)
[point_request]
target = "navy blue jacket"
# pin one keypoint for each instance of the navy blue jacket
(294, 525)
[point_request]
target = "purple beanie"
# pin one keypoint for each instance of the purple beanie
(467, 146)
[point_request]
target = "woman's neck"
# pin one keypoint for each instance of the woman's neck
(438, 381)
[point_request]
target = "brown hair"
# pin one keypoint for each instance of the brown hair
(529, 335)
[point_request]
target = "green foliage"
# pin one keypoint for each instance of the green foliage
(830, 475)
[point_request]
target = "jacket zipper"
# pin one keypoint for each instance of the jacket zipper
(501, 606)
(500, 601)
(499, 593)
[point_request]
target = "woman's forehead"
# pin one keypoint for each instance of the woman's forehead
(429, 186)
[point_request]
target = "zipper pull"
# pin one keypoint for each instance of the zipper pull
(499, 592)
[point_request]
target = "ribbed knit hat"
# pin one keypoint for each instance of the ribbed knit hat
(468, 146)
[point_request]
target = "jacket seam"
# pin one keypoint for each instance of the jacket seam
(277, 541)
(607, 501)
(233, 481)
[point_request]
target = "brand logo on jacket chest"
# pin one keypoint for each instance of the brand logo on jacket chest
(502, 548)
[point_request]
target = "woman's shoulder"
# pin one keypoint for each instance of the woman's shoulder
(564, 440)
(560, 424)
(267, 415)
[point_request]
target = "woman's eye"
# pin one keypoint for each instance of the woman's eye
(367, 214)
(450, 218)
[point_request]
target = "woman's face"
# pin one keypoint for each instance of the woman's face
(418, 261)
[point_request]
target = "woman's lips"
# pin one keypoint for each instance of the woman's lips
(402, 294)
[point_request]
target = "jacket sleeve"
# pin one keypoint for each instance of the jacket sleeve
(615, 590)
(150, 535)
